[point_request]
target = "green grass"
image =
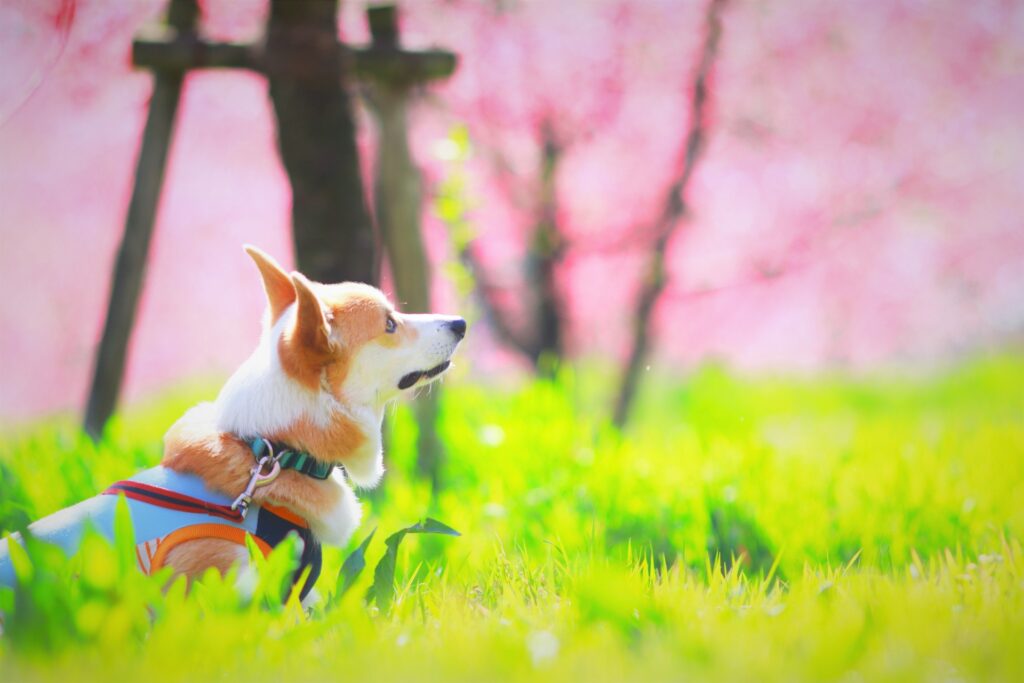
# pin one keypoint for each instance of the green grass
(823, 529)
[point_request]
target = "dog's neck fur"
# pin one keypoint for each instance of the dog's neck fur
(260, 399)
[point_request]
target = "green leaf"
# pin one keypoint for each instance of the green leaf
(383, 589)
(352, 568)
(276, 571)
(124, 536)
(6, 600)
(432, 526)
(23, 569)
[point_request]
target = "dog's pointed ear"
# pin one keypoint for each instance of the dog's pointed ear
(278, 286)
(311, 326)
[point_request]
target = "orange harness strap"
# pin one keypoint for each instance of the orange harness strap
(198, 531)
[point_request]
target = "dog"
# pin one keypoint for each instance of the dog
(279, 449)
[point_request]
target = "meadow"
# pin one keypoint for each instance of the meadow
(821, 528)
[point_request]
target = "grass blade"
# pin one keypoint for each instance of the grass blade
(383, 589)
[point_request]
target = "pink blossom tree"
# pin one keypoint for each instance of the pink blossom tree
(854, 205)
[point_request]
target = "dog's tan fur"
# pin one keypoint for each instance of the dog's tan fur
(192, 558)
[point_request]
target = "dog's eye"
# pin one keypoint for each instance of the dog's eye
(390, 326)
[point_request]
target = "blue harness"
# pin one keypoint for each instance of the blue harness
(168, 508)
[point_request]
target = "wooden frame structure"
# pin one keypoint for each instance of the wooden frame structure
(307, 69)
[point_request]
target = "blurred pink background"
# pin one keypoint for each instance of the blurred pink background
(859, 204)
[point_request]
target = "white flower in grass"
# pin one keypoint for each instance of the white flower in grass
(543, 646)
(492, 435)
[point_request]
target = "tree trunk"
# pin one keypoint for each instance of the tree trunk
(546, 255)
(333, 235)
(542, 339)
(673, 211)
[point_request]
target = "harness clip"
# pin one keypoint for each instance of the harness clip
(258, 479)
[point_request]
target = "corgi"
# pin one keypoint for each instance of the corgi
(290, 433)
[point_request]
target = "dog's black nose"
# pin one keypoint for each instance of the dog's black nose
(458, 326)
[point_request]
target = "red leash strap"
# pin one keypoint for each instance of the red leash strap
(154, 495)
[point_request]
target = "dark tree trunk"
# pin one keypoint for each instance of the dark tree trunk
(334, 239)
(673, 212)
(542, 339)
(546, 255)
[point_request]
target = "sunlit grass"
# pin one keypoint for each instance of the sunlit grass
(863, 530)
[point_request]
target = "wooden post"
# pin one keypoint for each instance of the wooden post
(397, 181)
(307, 68)
(397, 203)
(334, 238)
(130, 266)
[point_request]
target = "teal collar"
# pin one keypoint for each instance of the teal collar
(291, 459)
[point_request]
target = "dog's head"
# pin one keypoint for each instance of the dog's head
(331, 357)
(348, 339)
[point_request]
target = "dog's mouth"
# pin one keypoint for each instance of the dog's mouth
(413, 377)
